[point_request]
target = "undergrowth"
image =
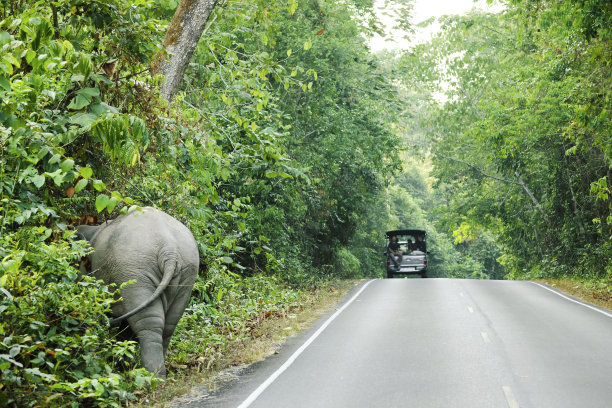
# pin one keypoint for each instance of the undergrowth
(238, 305)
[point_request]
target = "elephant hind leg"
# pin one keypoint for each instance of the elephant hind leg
(173, 315)
(151, 351)
(148, 325)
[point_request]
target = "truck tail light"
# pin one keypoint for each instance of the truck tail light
(425, 262)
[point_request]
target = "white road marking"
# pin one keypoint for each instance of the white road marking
(471, 309)
(512, 403)
(485, 337)
(251, 398)
(572, 300)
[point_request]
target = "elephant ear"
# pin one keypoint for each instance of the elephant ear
(86, 232)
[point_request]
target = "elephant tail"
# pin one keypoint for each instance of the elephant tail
(169, 270)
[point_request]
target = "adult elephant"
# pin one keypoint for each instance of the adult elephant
(160, 255)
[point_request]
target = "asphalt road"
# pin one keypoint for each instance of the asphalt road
(438, 343)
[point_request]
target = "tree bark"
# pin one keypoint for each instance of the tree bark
(477, 169)
(574, 201)
(528, 192)
(180, 42)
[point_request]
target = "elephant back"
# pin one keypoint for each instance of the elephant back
(140, 243)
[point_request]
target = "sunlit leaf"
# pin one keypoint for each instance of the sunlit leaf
(80, 185)
(102, 202)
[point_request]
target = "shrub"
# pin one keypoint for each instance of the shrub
(230, 308)
(55, 348)
(347, 265)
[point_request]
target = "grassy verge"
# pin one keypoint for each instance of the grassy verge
(267, 332)
(596, 292)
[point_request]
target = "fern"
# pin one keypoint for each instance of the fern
(122, 137)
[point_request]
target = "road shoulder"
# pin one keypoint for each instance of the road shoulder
(595, 293)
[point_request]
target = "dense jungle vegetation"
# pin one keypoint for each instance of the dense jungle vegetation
(289, 151)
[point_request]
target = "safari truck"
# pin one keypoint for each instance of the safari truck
(406, 253)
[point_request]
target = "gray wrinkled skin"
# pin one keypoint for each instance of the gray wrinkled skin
(158, 252)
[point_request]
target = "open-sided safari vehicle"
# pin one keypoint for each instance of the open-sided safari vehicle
(406, 253)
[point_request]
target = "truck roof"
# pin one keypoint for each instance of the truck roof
(412, 232)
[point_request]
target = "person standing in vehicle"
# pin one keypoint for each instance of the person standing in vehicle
(395, 252)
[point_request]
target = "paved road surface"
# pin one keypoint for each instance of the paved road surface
(439, 343)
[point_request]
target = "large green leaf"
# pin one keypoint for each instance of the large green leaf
(82, 119)
(80, 185)
(79, 102)
(38, 180)
(102, 202)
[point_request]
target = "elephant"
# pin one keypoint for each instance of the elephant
(161, 255)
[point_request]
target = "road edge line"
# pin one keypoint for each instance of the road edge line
(573, 300)
(512, 402)
(259, 390)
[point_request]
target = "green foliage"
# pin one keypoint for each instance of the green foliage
(340, 128)
(55, 348)
(347, 265)
(521, 145)
(228, 309)
(54, 338)
(46, 78)
(304, 133)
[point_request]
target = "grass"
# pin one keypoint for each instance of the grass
(268, 334)
(595, 292)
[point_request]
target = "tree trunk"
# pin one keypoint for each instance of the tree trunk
(529, 193)
(574, 201)
(180, 42)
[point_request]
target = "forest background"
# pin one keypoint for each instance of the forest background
(289, 151)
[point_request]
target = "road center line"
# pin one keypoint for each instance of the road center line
(572, 300)
(251, 398)
(485, 337)
(512, 403)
